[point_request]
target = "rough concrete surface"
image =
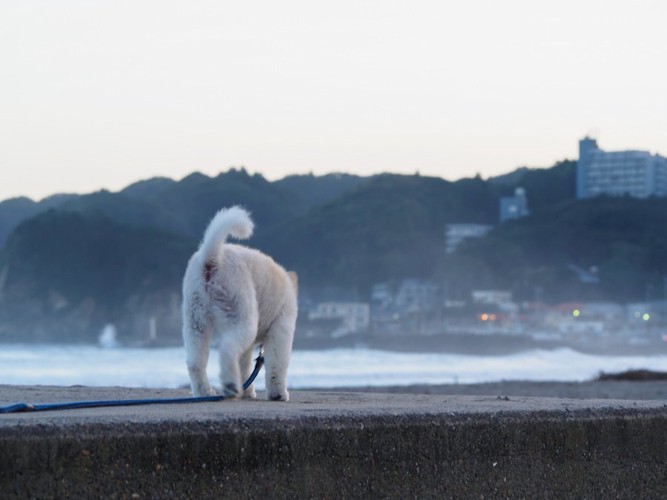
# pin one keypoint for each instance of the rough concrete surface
(335, 445)
(594, 389)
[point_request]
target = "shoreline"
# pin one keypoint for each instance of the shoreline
(654, 390)
(474, 344)
(441, 343)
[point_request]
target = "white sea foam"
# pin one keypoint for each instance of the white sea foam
(165, 367)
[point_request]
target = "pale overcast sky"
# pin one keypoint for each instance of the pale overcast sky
(98, 94)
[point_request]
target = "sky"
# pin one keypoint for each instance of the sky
(97, 94)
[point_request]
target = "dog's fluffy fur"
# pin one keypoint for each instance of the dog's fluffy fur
(243, 297)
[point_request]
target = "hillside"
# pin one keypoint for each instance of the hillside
(184, 207)
(596, 249)
(67, 274)
(82, 254)
(73, 263)
(387, 228)
(544, 187)
(120, 256)
(16, 210)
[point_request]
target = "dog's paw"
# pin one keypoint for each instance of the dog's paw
(230, 390)
(250, 393)
(203, 391)
(278, 396)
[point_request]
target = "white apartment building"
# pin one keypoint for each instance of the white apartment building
(639, 174)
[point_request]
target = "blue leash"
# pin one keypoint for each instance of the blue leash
(75, 405)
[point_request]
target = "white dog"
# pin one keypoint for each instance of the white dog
(246, 299)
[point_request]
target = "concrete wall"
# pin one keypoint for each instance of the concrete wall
(519, 449)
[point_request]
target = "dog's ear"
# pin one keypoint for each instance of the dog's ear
(295, 280)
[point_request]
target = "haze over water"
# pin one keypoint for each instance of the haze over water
(165, 367)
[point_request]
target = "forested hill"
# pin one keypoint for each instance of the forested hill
(596, 249)
(389, 227)
(118, 251)
(184, 207)
(338, 229)
(70, 263)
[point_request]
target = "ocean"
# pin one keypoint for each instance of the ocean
(353, 367)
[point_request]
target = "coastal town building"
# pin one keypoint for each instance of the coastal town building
(455, 234)
(514, 207)
(409, 305)
(639, 174)
(354, 316)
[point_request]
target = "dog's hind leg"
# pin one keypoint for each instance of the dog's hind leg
(196, 338)
(196, 349)
(277, 352)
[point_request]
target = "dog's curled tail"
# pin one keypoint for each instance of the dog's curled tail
(233, 221)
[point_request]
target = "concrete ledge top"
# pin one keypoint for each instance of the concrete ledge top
(333, 444)
(306, 408)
